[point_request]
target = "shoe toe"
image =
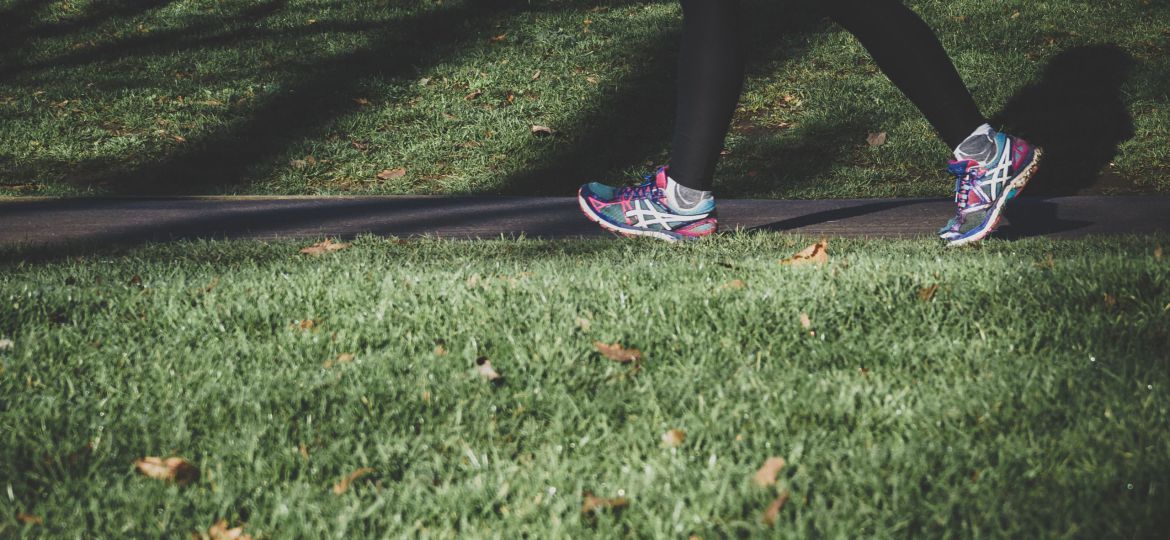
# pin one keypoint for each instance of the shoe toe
(598, 190)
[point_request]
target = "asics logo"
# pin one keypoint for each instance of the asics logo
(647, 214)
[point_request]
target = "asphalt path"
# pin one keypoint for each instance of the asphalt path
(95, 222)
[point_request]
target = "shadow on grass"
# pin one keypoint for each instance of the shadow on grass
(1077, 114)
(1075, 111)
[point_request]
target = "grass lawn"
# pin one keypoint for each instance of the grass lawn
(439, 97)
(1021, 389)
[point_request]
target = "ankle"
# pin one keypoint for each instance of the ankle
(685, 200)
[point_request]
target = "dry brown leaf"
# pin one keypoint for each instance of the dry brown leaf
(29, 519)
(343, 358)
(617, 353)
(543, 131)
(805, 321)
(361, 101)
(877, 139)
(1110, 301)
(501, 37)
(440, 350)
(325, 246)
(817, 253)
(593, 504)
(135, 281)
(343, 485)
(536, 75)
(483, 366)
(306, 324)
(674, 438)
(220, 531)
(391, 174)
(733, 284)
(926, 294)
(773, 511)
(473, 94)
(172, 469)
(766, 475)
(1158, 253)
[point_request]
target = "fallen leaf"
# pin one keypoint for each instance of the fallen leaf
(172, 469)
(298, 163)
(135, 281)
(424, 81)
(1110, 301)
(306, 324)
(6, 344)
(1158, 253)
(583, 324)
(29, 519)
(499, 38)
(220, 531)
(543, 131)
(805, 321)
(440, 350)
(1048, 262)
(391, 174)
(773, 511)
(674, 438)
(343, 485)
(766, 475)
(483, 366)
(593, 504)
(325, 246)
(362, 101)
(536, 75)
(876, 139)
(473, 94)
(817, 253)
(343, 358)
(733, 284)
(926, 294)
(617, 353)
(592, 79)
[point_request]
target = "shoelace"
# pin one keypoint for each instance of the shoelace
(964, 183)
(649, 189)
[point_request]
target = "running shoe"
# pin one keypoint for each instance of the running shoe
(642, 210)
(982, 193)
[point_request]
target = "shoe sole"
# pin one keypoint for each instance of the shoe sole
(628, 233)
(997, 209)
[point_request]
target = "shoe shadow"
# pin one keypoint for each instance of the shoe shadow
(1077, 114)
(1027, 217)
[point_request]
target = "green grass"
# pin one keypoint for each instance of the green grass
(1028, 398)
(315, 97)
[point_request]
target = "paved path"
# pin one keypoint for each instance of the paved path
(92, 221)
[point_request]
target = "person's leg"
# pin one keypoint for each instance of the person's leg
(990, 168)
(909, 53)
(676, 203)
(710, 79)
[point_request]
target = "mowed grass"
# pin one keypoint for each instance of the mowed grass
(1020, 390)
(316, 97)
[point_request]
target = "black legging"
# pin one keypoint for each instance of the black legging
(711, 71)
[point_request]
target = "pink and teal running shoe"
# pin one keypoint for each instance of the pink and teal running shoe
(642, 210)
(982, 193)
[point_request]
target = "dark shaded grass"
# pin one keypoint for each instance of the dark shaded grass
(152, 97)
